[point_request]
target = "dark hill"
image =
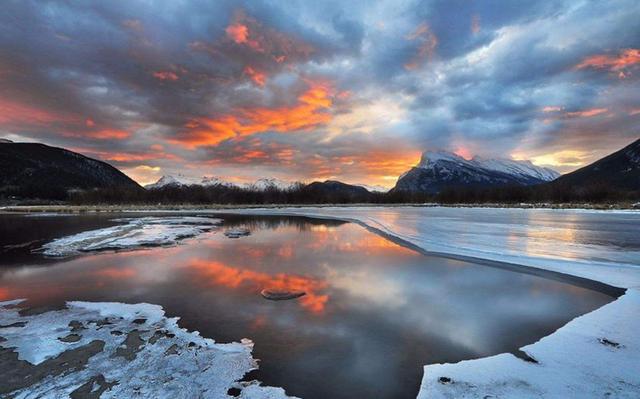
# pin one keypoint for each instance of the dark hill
(332, 191)
(619, 171)
(33, 170)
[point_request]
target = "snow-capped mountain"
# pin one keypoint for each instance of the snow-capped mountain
(178, 180)
(210, 181)
(267, 183)
(441, 169)
(373, 189)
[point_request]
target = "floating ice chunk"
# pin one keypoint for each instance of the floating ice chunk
(135, 233)
(113, 354)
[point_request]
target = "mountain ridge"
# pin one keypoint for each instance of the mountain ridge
(35, 170)
(619, 170)
(438, 170)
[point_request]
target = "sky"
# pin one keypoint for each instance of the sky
(316, 90)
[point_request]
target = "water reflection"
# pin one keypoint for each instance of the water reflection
(213, 273)
(374, 312)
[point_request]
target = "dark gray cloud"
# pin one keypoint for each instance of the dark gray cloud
(312, 89)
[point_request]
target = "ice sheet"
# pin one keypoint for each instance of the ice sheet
(132, 233)
(166, 360)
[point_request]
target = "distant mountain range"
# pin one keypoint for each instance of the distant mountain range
(262, 184)
(439, 170)
(33, 170)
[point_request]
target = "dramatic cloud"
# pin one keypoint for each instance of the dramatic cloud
(621, 63)
(315, 90)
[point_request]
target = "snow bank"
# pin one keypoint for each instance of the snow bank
(135, 352)
(595, 355)
(133, 233)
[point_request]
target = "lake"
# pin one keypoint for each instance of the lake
(374, 312)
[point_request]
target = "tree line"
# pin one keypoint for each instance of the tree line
(552, 193)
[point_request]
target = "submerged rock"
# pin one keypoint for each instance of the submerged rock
(281, 295)
(237, 232)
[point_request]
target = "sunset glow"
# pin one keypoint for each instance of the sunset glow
(216, 273)
(349, 92)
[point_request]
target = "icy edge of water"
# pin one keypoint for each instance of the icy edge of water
(594, 355)
(133, 233)
(125, 350)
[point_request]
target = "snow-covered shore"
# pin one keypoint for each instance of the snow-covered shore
(117, 350)
(595, 355)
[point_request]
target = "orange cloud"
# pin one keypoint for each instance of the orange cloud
(258, 78)
(616, 63)
(108, 134)
(309, 112)
(126, 156)
(248, 32)
(239, 33)
(370, 167)
(586, 113)
(165, 75)
(428, 43)
(17, 113)
(217, 273)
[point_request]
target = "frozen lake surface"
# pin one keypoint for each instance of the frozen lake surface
(374, 312)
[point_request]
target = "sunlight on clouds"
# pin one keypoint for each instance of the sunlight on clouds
(143, 174)
(562, 160)
(366, 118)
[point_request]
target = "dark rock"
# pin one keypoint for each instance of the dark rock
(88, 390)
(607, 342)
(18, 374)
(280, 295)
(70, 338)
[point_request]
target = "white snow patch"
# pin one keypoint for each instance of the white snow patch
(573, 362)
(176, 364)
(134, 233)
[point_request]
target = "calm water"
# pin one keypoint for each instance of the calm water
(374, 312)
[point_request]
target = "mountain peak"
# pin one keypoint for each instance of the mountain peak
(441, 169)
(261, 184)
(431, 157)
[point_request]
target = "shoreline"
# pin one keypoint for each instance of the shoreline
(69, 208)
